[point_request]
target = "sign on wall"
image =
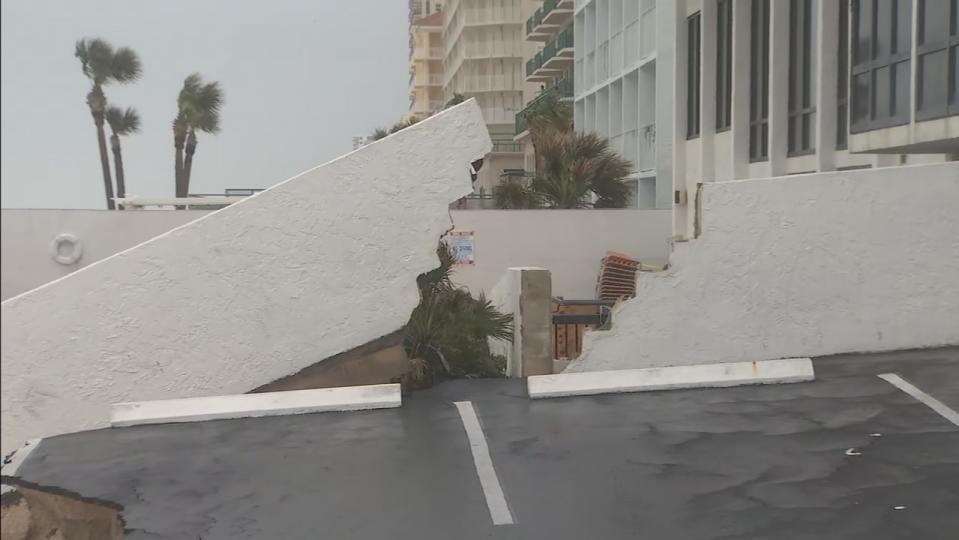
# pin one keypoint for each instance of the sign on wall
(463, 247)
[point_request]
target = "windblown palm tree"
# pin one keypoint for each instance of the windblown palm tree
(122, 123)
(102, 65)
(198, 109)
(573, 170)
(577, 164)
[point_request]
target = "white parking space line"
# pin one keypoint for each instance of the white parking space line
(915, 392)
(495, 499)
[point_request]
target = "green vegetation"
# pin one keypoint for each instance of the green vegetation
(573, 170)
(122, 123)
(446, 336)
(198, 109)
(103, 65)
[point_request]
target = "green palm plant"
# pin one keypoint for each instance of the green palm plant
(447, 333)
(198, 109)
(122, 123)
(104, 65)
(512, 194)
(575, 165)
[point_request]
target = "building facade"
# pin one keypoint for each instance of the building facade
(427, 52)
(549, 63)
(696, 91)
(484, 55)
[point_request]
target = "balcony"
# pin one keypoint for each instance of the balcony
(563, 89)
(549, 19)
(504, 147)
(432, 53)
(555, 57)
(428, 79)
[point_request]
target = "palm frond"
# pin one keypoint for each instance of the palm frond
(513, 195)
(379, 133)
(455, 100)
(123, 122)
(96, 59)
(200, 103)
(125, 66)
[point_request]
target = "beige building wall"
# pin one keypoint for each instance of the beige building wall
(426, 65)
(484, 59)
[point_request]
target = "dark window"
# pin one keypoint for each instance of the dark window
(692, 76)
(724, 66)
(880, 74)
(842, 78)
(802, 70)
(937, 54)
(759, 81)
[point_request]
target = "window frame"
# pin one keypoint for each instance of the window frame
(724, 65)
(950, 45)
(842, 77)
(891, 60)
(759, 81)
(693, 75)
(801, 101)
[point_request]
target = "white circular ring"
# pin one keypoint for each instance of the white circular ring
(73, 255)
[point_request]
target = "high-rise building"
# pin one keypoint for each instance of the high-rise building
(484, 55)
(549, 64)
(696, 91)
(426, 64)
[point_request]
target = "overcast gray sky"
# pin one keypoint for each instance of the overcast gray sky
(301, 78)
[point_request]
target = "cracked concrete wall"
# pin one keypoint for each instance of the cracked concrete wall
(804, 265)
(312, 267)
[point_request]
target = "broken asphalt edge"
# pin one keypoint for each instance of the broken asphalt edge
(719, 375)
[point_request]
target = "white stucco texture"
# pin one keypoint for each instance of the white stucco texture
(314, 266)
(799, 266)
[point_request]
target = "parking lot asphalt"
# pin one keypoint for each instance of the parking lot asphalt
(848, 456)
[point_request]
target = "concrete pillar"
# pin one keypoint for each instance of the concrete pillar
(526, 293)
(827, 80)
(741, 79)
(778, 85)
(707, 95)
(666, 101)
(674, 14)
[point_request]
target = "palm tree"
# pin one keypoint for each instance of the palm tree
(575, 165)
(122, 123)
(103, 65)
(198, 109)
(513, 194)
(447, 334)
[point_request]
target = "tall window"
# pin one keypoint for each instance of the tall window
(692, 76)
(937, 52)
(724, 65)
(881, 35)
(759, 81)
(842, 78)
(802, 70)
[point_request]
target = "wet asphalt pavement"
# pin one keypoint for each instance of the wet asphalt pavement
(759, 462)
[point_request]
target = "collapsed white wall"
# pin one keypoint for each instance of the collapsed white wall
(314, 266)
(800, 266)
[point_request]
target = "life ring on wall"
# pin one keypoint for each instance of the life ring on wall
(73, 251)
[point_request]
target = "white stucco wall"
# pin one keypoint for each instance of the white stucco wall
(800, 266)
(568, 243)
(316, 265)
(26, 237)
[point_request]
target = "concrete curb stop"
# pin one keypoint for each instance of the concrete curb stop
(349, 398)
(726, 374)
